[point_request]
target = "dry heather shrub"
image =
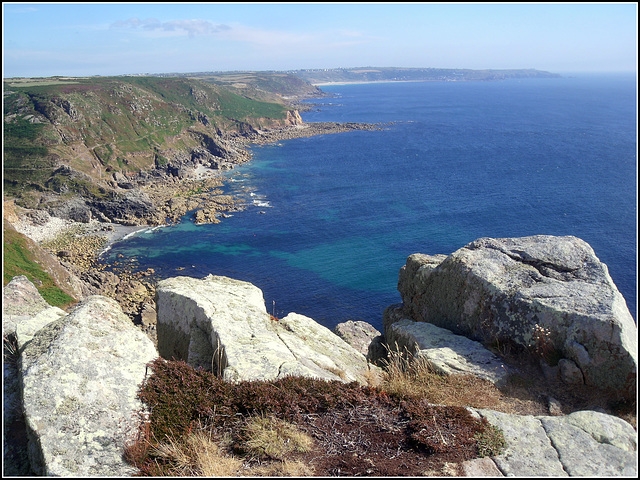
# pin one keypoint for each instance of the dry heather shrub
(274, 438)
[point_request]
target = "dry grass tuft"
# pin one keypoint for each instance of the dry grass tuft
(412, 377)
(10, 351)
(197, 455)
(372, 376)
(274, 438)
(284, 468)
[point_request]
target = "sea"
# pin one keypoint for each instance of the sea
(331, 219)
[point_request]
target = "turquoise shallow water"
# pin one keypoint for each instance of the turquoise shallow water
(332, 218)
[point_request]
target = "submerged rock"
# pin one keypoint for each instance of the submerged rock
(549, 294)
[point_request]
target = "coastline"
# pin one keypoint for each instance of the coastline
(79, 246)
(361, 82)
(55, 227)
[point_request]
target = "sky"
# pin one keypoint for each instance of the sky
(83, 39)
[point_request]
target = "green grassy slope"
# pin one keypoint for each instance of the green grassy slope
(105, 124)
(20, 256)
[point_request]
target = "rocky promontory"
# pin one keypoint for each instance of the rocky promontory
(76, 373)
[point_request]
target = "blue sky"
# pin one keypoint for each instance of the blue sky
(76, 39)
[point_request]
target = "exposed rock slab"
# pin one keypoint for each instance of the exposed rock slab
(28, 327)
(529, 451)
(448, 353)
(222, 324)
(592, 444)
(80, 376)
(585, 443)
(511, 289)
(480, 467)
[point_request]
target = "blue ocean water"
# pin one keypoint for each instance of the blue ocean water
(332, 218)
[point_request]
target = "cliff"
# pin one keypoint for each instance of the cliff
(99, 139)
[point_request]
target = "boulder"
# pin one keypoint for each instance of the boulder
(28, 327)
(358, 334)
(549, 294)
(222, 324)
(80, 377)
(20, 300)
(446, 352)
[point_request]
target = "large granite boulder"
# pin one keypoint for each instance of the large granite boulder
(20, 300)
(222, 324)
(80, 377)
(549, 294)
(22, 309)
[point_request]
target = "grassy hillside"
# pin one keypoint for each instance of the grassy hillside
(21, 256)
(102, 125)
(274, 86)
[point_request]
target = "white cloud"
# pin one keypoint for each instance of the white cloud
(267, 38)
(172, 28)
(23, 10)
(257, 37)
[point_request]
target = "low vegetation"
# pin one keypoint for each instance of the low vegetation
(201, 425)
(410, 421)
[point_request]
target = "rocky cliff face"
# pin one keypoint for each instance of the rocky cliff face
(98, 138)
(551, 295)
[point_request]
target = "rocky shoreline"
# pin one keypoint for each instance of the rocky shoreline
(78, 240)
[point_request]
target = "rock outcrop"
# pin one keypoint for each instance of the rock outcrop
(582, 444)
(549, 294)
(222, 324)
(358, 334)
(79, 375)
